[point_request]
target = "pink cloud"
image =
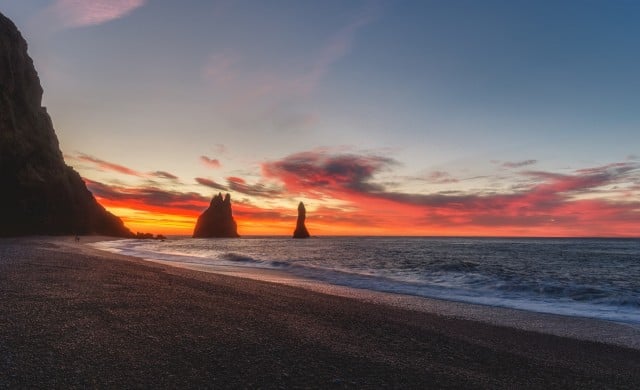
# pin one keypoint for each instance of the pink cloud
(550, 204)
(103, 165)
(81, 13)
(210, 162)
(108, 166)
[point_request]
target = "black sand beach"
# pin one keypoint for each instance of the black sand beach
(76, 317)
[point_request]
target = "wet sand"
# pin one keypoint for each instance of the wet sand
(621, 334)
(71, 316)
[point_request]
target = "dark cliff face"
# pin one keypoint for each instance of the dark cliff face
(301, 230)
(39, 193)
(217, 220)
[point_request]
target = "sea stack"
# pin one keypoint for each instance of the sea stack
(301, 230)
(217, 220)
(40, 193)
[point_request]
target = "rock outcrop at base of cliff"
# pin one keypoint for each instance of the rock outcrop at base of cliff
(217, 220)
(301, 230)
(39, 193)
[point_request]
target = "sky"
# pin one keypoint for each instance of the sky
(427, 118)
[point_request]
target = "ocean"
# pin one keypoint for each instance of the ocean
(594, 278)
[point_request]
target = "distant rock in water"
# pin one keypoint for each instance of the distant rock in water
(301, 230)
(39, 193)
(217, 220)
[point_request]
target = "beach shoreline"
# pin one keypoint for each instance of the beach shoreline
(581, 328)
(76, 316)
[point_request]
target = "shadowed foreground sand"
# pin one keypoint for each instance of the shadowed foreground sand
(101, 320)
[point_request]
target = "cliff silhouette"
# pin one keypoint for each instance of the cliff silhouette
(217, 220)
(39, 193)
(301, 230)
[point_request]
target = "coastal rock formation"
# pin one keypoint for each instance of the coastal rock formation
(301, 230)
(40, 194)
(217, 220)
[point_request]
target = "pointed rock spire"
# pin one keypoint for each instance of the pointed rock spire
(301, 230)
(217, 220)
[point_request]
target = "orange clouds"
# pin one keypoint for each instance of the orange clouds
(550, 205)
(343, 196)
(149, 198)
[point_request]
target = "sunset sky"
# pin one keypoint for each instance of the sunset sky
(499, 118)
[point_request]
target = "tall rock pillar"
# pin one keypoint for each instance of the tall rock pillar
(301, 230)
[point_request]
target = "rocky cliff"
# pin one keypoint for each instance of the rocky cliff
(39, 193)
(301, 230)
(217, 220)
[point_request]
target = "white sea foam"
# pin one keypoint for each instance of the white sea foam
(577, 277)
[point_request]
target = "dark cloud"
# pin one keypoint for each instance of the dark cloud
(542, 175)
(211, 184)
(440, 200)
(519, 164)
(320, 169)
(584, 180)
(163, 175)
(240, 185)
(610, 170)
(148, 196)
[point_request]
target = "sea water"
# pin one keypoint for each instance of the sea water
(596, 278)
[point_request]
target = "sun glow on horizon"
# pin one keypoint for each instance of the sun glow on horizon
(343, 197)
(183, 224)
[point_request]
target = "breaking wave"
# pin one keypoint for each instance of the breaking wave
(578, 277)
